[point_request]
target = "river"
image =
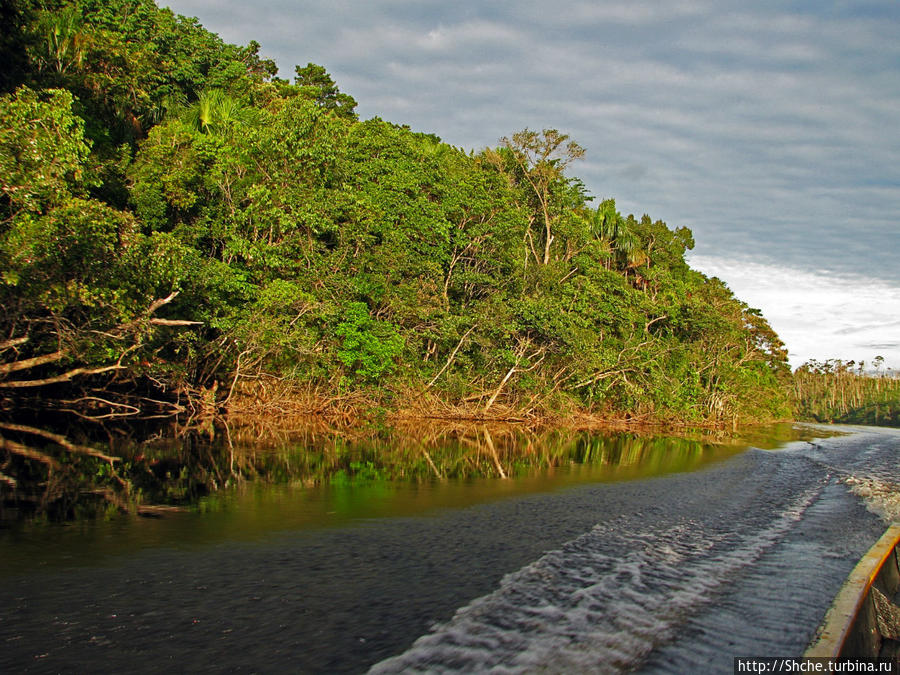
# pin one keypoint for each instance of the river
(676, 566)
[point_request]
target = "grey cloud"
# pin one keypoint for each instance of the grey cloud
(768, 127)
(866, 328)
(633, 172)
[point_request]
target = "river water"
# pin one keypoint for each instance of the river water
(664, 566)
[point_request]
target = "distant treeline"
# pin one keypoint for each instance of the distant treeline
(845, 392)
(182, 230)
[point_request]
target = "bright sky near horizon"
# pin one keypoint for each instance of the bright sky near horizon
(769, 128)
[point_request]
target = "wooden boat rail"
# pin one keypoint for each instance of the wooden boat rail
(862, 620)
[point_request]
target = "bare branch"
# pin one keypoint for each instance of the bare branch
(653, 321)
(175, 322)
(536, 363)
(65, 377)
(600, 376)
(60, 440)
(237, 374)
(531, 244)
(519, 355)
(29, 453)
(14, 342)
(132, 410)
(452, 356)
(25, 364)
(156, 304)
(574, 269)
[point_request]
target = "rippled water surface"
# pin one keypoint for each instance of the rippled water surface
(662, 562)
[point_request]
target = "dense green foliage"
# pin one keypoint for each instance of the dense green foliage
(174, 216)
(835, 391)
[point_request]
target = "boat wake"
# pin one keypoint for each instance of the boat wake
(601, 603)
(708, 570)
(871, 473)
(882, 497)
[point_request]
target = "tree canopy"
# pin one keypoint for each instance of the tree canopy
(176, 218)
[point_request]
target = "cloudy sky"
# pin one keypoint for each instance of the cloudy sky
(771, 128)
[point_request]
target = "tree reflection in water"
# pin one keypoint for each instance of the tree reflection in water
(62, 476)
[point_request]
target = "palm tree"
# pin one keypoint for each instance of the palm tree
(620, 234)
(64, 42)
(216, 113)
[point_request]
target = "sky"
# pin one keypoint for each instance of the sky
(771, 128)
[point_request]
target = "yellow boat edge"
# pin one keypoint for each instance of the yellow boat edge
(832, 636)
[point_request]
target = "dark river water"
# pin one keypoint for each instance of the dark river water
(668, 563)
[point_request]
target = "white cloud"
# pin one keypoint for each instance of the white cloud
(817, 316)
(468, 34)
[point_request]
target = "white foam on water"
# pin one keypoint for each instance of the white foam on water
(881, 496)
(871, 473)
(600, 603)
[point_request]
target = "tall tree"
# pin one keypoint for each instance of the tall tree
(542, 159)
(316, 81)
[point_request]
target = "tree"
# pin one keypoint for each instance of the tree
(317, 83)
(311, 245)
(542, 160)
(74, 304)
(63, 41)
(216, 112)
(620, 233)
(43, 151)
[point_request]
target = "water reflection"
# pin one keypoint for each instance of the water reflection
(247, 486)
(202, 471)
(315, 455)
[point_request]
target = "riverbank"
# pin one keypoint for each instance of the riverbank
(279, 400)
(69, 471)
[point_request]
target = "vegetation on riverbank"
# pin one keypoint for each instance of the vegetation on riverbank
(846, 393)
(180, 230)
